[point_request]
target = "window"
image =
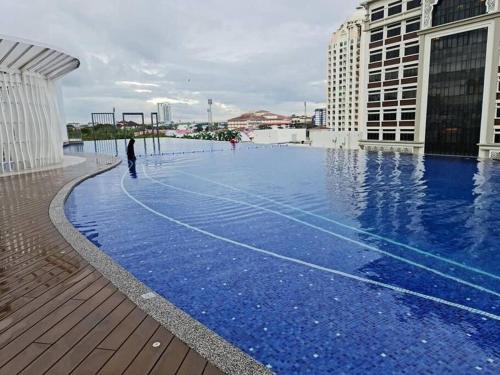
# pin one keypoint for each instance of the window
(374, 116)
(408, 115)
(412, 25)
(411, 49)
(412, 4)
(409, 93)
(455, 10)
(395, 8)
(377, 14)
(454, 109)
(373, 136)
(391, 74)
(393, 30)
(374, 96)
(375, 56)
(392, 53)
(497, 138)
(389, 136)
(375, 76)
(407, 137)
(391, 95)
(376, 35)
(498, 110)
(390, 115)
(410, 71)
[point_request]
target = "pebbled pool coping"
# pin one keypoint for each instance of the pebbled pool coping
(207, 343)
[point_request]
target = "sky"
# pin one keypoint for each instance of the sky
(245, 55)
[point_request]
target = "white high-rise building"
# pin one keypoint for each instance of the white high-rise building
(165, 113)
(343, 78)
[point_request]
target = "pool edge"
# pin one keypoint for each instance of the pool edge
(206, 342)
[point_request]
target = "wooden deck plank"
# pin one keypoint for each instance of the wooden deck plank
(119, 362)
(93, 363)
(171, 359)
(118, 336)
(57, 313)
(22, 341)
(20, 321)
(78, 353)
(23, 359)
(56, 332)
(193, 364)
(73, 336)
(150, 353)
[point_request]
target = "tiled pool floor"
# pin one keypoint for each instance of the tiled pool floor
(315, 261)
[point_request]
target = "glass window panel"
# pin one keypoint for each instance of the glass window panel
(390, 116)
(391, 95)
(391, 74)
(393, 31)
(376, 35)
(455, 10)
(395, 8)
(412, 4)
(374, 97)
(392, 54)
(389, 136)
(455, 96)
(375, 77)
(407, 136)
(377, 14)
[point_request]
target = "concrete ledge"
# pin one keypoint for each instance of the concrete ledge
(207, 343)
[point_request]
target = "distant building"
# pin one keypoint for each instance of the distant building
(254, 120)
(343, 78)
(127, 125)
(320, 117)
(164, 113)
(301, 121)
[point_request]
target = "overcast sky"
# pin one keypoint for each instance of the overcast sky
(245, 54)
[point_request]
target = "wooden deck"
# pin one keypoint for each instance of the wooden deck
(58, 315)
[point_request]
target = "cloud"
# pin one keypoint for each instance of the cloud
(245, 55)
(173, 101)
(131, 83)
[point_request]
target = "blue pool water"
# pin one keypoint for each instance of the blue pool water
(314, 261)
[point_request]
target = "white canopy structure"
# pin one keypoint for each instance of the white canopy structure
(31, 120)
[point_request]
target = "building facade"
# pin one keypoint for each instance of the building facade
(254, 120)
(432, 77)
(32, 127)
(165, 113)
(344, 74)
(320, 117)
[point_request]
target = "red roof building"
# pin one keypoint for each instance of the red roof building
(254, 120)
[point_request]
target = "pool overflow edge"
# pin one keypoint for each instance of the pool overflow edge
(200, 338)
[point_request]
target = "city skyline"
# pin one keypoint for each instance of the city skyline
(137, 55)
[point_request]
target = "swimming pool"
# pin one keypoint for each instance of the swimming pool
(314, 261)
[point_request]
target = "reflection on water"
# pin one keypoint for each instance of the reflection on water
(132, 168)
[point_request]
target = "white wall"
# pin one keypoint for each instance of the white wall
(31, 133)
(331, 139)
(279, 135)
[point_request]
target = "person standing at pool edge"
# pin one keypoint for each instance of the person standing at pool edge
(130, 151)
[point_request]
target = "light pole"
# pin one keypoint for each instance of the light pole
(210, 121)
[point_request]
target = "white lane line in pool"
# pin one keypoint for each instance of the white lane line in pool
(409, 247)
(356, 242)
(307, 264)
